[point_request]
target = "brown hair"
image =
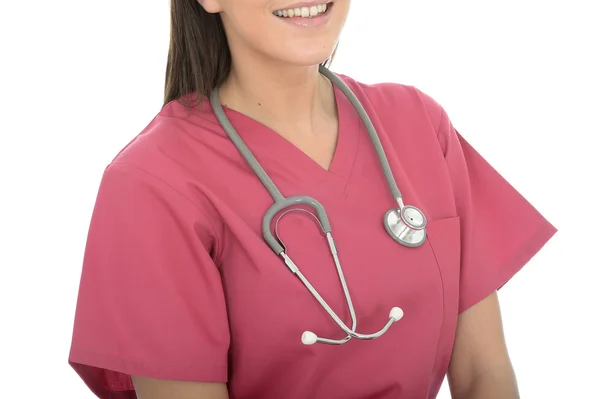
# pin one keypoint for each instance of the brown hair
(199, 59)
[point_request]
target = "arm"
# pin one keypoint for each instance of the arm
(492, 252)
(480, 367)
(145, 238)
(149, 388)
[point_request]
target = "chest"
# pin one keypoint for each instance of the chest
(269, 307)
(380, 273)
(320, 146)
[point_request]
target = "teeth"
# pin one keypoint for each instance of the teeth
(304, 12)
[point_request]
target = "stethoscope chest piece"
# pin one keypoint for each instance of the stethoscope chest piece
(406, 226)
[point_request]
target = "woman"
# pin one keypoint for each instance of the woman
(182, 298)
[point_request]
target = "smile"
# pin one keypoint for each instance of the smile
(303, 12)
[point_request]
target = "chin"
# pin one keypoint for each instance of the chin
(305, 57)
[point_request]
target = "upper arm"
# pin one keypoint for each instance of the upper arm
(148, 388)
(151, 301)
(500, 230)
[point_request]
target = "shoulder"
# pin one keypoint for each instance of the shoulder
(396, 102)
(175, 139)
(172, 158)
(396, 97)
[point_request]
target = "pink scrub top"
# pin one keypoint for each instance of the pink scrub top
(178, 284)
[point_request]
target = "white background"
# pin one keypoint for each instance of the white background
(520, 80)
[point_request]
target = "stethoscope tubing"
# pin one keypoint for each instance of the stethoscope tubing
(281, 203)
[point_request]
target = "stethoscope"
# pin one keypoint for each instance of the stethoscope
(405, 224)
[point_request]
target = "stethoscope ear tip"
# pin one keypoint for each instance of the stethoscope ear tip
(309, 338)
(396, 313)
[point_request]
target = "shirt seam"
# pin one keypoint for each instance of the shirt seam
(194, 205)
(439, 124)
(81, 350)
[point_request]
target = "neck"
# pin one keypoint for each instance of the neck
(274, 94)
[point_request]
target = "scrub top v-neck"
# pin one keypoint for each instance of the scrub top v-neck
(178, 284)
(264, 142)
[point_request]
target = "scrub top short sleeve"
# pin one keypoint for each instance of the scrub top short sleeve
(500, 230)
(151, 301)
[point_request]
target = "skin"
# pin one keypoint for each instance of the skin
(267, 81)
(480, 366)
